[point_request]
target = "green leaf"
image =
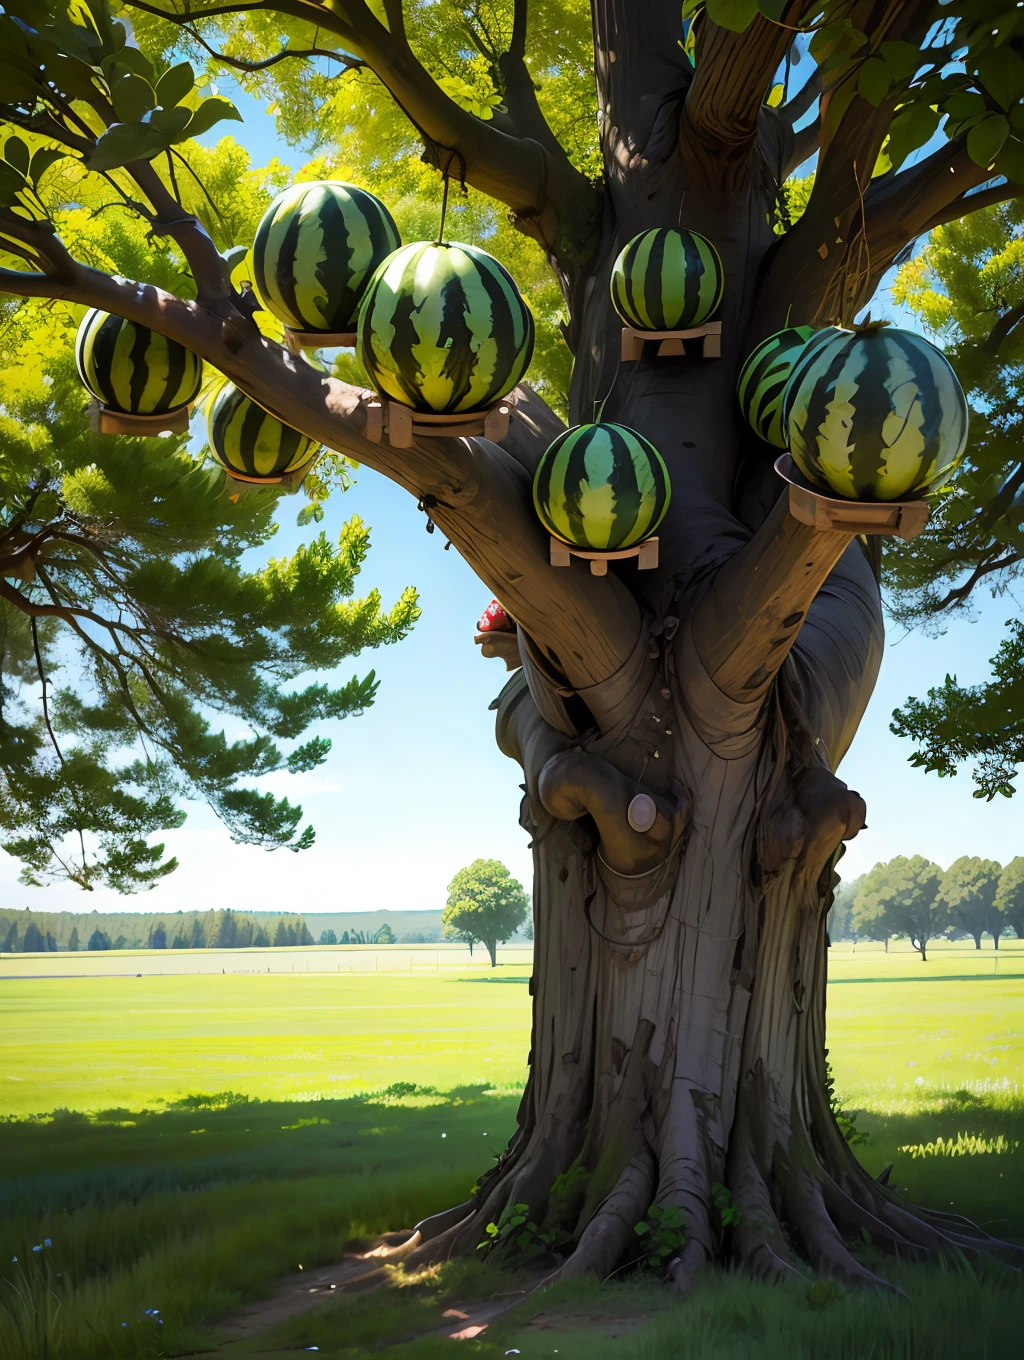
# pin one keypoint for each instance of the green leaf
(72, 77)
(913, 126)
(212, 111)
(1001, 71)
(175, 84)
(132, 98)
(172, 122)
(735, 15)
(43, 159)
(985, 140)
(128, 59)
(873, 80)
(16, 154)
(902, 58)
(125, 142)
(1010, 161)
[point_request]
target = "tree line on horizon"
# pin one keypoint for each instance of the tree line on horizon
(29, 932)
(916, 899)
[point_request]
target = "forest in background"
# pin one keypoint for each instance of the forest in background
(27, 931)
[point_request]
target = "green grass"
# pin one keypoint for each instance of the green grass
(194, 1206)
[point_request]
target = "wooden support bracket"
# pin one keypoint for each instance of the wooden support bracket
(646, 554)
(297, 341)
(401, 424)
(287, 484)
(900, 519)
(673, 342)
(102, 420)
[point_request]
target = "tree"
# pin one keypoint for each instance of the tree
(968, 289)
(903, 898)
(99, 940)
(130, 558)
(679, 989)
(11, 942)
(486, 903)
(34, 942)
(841, 915)
(158, 938)
(73, 941)
(328, 937)
(1010, 895)
(385, 935)
(969, 891)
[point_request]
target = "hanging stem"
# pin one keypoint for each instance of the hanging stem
(444, 203)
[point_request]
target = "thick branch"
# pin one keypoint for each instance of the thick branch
(477, 493)
(204, 260)
(749, 618)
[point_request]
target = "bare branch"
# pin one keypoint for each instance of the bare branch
(983, 569)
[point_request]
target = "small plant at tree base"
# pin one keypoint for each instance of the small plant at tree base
(662, 1234)
(847, 1122)
(727, 1211)
(516, 1231)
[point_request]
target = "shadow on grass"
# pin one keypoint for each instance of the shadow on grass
(493, 979)
(928, 977)
(196, 1208)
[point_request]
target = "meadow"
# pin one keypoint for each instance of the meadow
(184, 1142)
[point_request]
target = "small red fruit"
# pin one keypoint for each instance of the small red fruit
(495, 620)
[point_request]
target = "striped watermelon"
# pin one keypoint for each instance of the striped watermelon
(874, 413)
(315, 251)
(443, 328)
(763, 379)
(601, 487)
(250, 443)
(667, 279)
(132, 369)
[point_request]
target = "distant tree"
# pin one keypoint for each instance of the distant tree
(225, 930)
(527, 930)
(1010, 895)
(345, 939)
(281, 935)
(385, 935)
(73, 940)
(122, 942)
(904, 898)
(51, 943)
(198, 934)
(34, 943)
(11, 942)
(867, 920)
(969, 890)
(486, 902)
(840, 916)
(180, 941)
(158, 937)
(97, 940)
(261, 939)
(414, 937)
(328, 937)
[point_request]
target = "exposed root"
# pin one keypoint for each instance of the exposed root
(604, 1240)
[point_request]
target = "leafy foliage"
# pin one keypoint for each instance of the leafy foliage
(1009, 899)
(662, 1234)
(969, 891)
(902, 897)
(486, 903)
(847, 1122)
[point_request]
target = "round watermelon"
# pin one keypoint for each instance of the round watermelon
(763, 379)
(443, 328)
(315, 250)
(601, 487)
(250, 443)
(135, 370)
(874, 413)
(667, 279)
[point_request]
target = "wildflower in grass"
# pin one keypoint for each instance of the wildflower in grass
(47, 1242)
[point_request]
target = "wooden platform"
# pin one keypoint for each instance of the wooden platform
(900, 519)
(102, 420)
(288, 483)
(673, 342)
(401, 424)
(646, 554)
(297, 341)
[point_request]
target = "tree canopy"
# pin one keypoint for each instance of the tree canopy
(902, 897)
(132, 621)
(969, 890)
(1009, 900)
(486, 903)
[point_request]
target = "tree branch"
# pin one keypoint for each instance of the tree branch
(188, 233)
(983, 569)
(749, 618)
(520, 93)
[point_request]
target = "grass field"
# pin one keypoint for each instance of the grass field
(155, 1195)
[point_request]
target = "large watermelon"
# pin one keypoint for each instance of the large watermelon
(132, 369)
(601, 487)
(874, 413)
(763, 379)
(667, 279)
(315, 251)
(443, 328)
(252, 444)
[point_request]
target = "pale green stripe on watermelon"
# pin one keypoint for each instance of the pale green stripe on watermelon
(311, 253)
(271, 239)
(639, 267)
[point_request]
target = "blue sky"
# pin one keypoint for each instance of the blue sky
(416, 788)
